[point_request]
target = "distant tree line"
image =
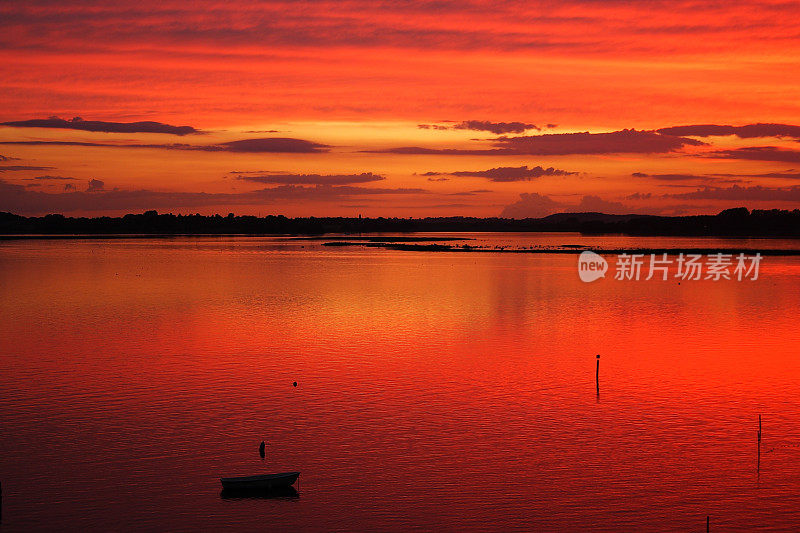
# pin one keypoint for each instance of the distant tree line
(731, 222)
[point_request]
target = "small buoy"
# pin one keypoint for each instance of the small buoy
(294, 383)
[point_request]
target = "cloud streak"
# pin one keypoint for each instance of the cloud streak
(478, 25)
(78, 123)
(738, 193)
(59, 178)
(758, 153)
(253, 146)
(748, 131)
(18, 168)
(498, 128)
(616, 142)
(312, 179)
(715, 178)
(507, 174)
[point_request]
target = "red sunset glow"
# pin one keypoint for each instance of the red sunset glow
(399, 109)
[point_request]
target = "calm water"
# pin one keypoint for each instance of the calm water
(436, 391)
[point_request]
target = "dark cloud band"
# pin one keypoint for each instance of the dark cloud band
(78, 123)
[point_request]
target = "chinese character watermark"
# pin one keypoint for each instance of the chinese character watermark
(683, 266)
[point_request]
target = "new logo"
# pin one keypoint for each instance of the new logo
(591, 266)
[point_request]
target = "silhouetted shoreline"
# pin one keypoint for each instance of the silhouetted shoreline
(564, 249)
(738, 222)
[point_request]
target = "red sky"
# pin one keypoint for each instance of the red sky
(339, 91)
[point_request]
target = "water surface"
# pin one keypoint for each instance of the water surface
(435, 391)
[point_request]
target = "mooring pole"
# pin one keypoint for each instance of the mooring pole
(597, 374)
(708, 524)
(758, 462)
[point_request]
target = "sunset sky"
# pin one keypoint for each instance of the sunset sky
(399, 108)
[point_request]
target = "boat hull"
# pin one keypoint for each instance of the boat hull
(263, 482)
(280, 493)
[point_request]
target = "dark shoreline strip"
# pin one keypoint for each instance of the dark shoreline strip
(381, 239)
(287, 236)
(669, 251)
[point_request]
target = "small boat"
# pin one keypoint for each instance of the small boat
(265, 481)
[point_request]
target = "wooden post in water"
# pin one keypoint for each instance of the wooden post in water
(597, 375)
(708, 524)
(758, 464)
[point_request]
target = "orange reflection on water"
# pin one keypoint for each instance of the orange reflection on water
(435, 390)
